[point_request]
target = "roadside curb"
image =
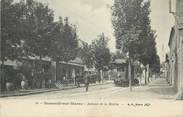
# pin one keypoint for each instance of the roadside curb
(44, 91)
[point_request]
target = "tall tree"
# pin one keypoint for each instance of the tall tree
(155, 65)
(56, 52)
(118, 55)
(64, 44)
(87, 55)
(132, 30)
(127, 25)
(39, 22)
(70, 41)
(12, 33)
(101, 53)
(12, 30)
(147, 51)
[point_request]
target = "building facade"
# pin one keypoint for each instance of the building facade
(68, 71)
(176, 49)
(41, 73)
(119, 68)
(38, 74)
(172, 77)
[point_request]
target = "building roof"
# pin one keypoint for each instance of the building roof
(9, 62)
(119, 61)
(90, 70)
(37, 58)
(76, 62)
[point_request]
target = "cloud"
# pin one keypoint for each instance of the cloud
(96, 4)
(94, 17)
(91, 16)
(162, 21)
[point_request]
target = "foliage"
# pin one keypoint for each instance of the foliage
(28, 30)
(70, 45)
(101, 53)
(87, 55)
(64, 44)
(118, 55)
(148, 52)
(38, 23)
(132, 30)
(12, 29)
(127, 22)
(155, 65)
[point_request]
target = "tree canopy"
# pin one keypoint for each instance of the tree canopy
(12, 29)
(29, 30)
(86, 53)
(38, 20)
(133, 31)
(64, 45)
(101, 52)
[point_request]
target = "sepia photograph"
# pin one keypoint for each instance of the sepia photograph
(91, 58)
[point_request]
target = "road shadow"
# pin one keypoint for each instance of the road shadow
(162, 89)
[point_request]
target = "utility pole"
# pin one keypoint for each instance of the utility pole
(129, 72)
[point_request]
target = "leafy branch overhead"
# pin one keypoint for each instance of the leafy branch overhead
(29, 30)
(101, 52)
(87, 55)
(133, 31)
(64, 43)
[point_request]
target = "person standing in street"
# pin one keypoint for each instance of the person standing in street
(78, 80)
(87, 83)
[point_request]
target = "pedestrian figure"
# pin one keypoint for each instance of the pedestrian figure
(9, 86)
(87, 84)
(23, 82)
(32, 79)
(77, 80)
(49, 83)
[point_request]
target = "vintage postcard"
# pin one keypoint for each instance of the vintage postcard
(91, 58)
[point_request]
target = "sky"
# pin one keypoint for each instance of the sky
(93, 17)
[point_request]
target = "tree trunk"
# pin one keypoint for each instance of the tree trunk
(41, 74)
(57, 63)
(109, 75)
(2, 80)
(145, 75)
(129, 75)
(2, 62)
(101, 75)
(148, 80)
(1, 83)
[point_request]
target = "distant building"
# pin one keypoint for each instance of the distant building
(67, 71)
(119, 68)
